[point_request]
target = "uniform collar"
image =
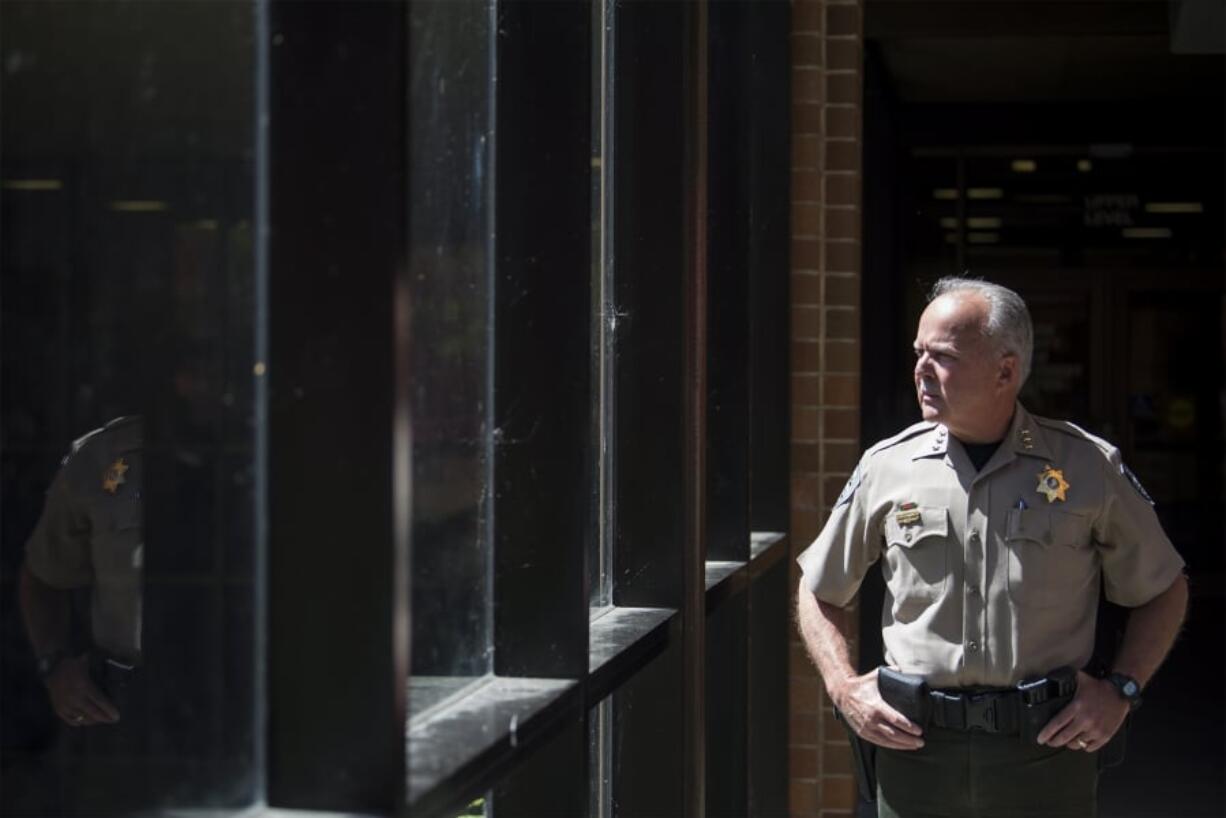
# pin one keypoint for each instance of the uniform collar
(1024, 438)
(1027, 437)
(932, 443)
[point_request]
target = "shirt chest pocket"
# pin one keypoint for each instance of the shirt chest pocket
(1050, 558)
(916, 563)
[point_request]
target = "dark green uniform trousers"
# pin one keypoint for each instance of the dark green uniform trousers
(980, 775)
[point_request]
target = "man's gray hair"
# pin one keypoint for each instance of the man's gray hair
(1008, 326)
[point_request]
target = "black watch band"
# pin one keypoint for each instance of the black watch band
(1128, 688)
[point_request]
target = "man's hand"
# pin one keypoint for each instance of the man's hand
(874, 720)
(74, 696)
(1090, 719)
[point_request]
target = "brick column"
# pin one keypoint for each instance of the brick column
(827, 39)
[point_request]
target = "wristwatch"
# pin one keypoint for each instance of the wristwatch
(47, 664)
(1128, 688)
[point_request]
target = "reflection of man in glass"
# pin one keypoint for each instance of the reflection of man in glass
(88, 543)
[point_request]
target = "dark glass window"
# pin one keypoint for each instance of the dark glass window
(130, 315)
(450, 287)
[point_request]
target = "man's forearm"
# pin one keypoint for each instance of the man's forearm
(824, 629)
(45, 612)
(1151, 632)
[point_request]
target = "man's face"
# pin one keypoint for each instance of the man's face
(959, 380)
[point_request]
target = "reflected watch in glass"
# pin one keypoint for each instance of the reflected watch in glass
(48, 663)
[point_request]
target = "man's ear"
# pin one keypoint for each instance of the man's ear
(1008, 373)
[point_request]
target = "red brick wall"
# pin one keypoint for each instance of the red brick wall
(827, 41)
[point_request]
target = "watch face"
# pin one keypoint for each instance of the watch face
(1131, 688)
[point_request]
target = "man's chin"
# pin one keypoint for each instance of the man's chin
(929, 411)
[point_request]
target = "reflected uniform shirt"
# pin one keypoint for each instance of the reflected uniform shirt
(988, 581)
(90, 533)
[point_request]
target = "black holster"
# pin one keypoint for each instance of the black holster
(1112, 753)
(905, 693)
(864, 755)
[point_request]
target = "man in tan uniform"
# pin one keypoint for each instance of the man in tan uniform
(88, 537)
(993, 528)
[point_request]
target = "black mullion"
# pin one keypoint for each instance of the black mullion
(767, 75)
(543, 462)
(767, 691)
(337, 213)
(727, 473)
(727, 788)
(654, 767)
(649, 234)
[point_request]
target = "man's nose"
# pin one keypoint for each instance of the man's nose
(923, 364)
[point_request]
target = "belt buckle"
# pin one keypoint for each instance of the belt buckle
(981, 712)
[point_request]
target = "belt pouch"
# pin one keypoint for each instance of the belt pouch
(110, 676)
(906, 693)
(1042, 699)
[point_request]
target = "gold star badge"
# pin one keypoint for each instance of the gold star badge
(113, 477)
(1052, 484)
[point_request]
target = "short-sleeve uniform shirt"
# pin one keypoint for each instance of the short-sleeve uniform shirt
(90, 533)
(992, 576)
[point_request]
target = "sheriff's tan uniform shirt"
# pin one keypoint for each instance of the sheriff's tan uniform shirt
(988, 581)
(90, 533)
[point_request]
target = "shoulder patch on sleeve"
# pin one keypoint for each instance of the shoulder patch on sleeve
(849, 489)
(1136, 483)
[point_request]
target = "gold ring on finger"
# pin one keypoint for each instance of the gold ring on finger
(1081, 745)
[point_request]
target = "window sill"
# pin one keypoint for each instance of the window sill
(725, 578)
(459, 747)
(620, 641)
(765, 549)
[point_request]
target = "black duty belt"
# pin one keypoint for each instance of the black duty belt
(1009, 711)
(1005, 711)
(989, 711)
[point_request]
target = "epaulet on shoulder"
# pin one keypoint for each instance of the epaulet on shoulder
(80, 443)
(121, 421)
(1073, 430)
(901, 437)
(92, 436)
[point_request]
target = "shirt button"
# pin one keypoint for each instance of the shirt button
(971, 590)
(974, 536)
(972, 647)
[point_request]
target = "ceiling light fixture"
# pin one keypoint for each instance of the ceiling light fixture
(29, 185)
